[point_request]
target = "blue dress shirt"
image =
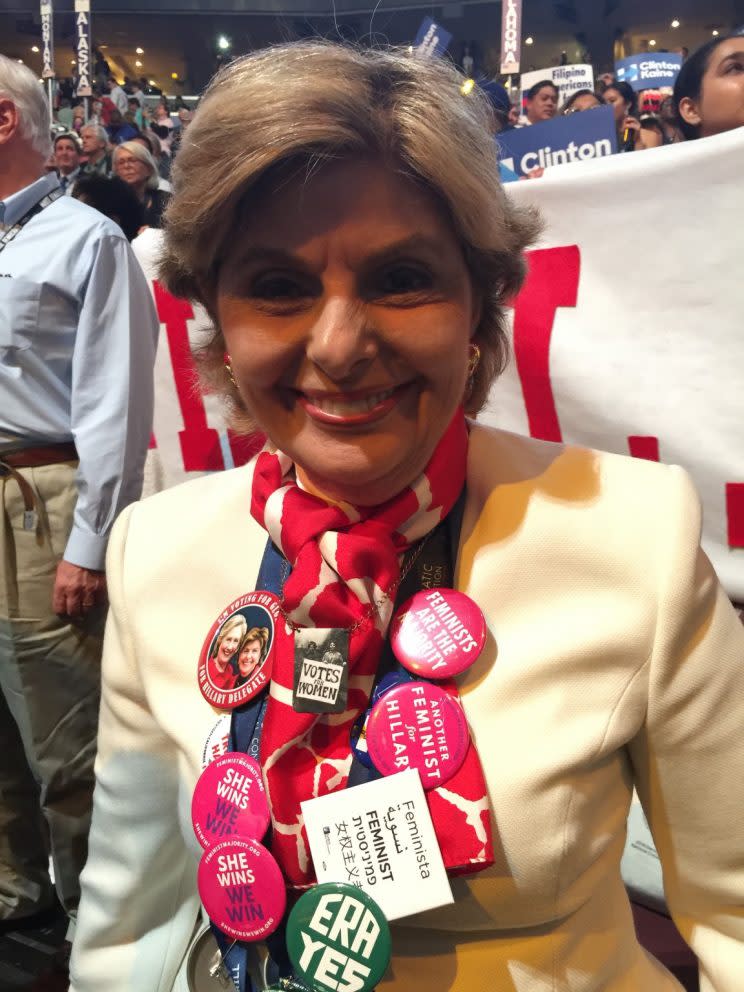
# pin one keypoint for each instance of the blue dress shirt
(78, 333)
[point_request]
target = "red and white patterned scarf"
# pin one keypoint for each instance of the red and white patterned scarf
(343, 558)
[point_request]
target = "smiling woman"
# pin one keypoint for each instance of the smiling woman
(339, 214)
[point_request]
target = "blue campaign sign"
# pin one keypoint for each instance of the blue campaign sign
(431, 38)
(649, 71)
(574, 138)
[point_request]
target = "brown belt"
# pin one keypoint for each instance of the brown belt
(48, 454)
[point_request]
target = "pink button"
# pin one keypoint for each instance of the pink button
(438, 633)
(417, 725)
(230, 801)
(242, 889)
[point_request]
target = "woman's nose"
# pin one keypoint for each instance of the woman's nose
(341, 339)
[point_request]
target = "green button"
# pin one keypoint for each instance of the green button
(338, 939)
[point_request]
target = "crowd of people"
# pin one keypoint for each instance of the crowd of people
(356, 252)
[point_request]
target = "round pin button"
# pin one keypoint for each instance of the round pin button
(438, 633)
(338, 937)
(237, 656)
(230, 801)
(418, 725)
(242, 889)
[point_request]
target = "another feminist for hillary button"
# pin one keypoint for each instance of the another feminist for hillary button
(338, 938)
(230, 801)
(417, 725)
(242, 889)
(438, 633)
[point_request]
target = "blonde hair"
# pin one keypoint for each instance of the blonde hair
(139, 152)
(312, 101)
(238, 620)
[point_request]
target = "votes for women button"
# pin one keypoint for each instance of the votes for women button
(438, 633)
(338, 938)
(230, 801)
(242, 889)
(417, 725)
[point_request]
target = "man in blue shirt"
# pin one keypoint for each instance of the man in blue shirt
(78, 335)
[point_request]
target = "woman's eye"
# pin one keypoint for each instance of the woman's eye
(403, 279)
(279, 287)
(736, 67)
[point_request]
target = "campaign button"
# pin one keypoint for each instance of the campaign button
(338, 938)
(438, 633)
(418, 726)
(358, 739)
(230, 801)
(237, 656)
(218, 741)
(389, 681)
(242, 889)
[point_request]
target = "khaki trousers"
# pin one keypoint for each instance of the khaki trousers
(49, 696)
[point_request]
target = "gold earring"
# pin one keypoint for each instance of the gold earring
(473, 362)
(228, 368)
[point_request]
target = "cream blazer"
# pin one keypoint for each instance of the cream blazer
(613, 659)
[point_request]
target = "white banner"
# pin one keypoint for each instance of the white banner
(568, 78)
(511, 36)
(47, 40)
(82, 47)
(627, 336)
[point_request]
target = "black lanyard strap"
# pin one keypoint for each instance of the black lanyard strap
(46, 201)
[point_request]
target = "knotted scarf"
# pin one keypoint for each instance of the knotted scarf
(345, 560)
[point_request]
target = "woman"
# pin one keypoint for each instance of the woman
(709, 92)
(582, 100)
(356, 251)
(251, 653)
(135, 165)
(219, 667)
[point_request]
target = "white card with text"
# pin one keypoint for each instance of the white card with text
(379, 837)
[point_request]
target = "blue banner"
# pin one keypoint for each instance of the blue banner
(574, 138)
(431, 38)
(649, 71)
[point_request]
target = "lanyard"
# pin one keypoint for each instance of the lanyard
(12, 233)
(248, 968)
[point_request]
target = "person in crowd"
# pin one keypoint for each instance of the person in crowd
(136, 166)
(117, 95)
(95, 148)
(622, 98)
(64, 113)
(151, 142)
(162, 125)
(582, 100)
(251, 653)
(134, 113)
(78, 334)
(220, 669)
(542, 103)
(670, 122)
(96, 110)
(101, 68)
(709, 92)
(114, 198)
(357, 252)
(137, 93)
(67, 161)
(120, 129)
(500, 103)
(78, 118)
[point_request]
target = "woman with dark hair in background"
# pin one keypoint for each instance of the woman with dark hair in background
(631, 134)
(114, 198)
(709, 93)
(542, 103)
(582, 100)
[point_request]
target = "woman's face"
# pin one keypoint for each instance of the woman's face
(721, 104)
(130, 169)
(587, 101)
(347, 310)
(229, 645)
(249, 657)
(618, 103)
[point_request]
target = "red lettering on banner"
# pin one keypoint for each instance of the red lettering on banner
(200, 444)
(552, 282)
(642, 446)
(735, 511)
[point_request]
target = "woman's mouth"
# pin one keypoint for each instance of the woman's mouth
(350, 408)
